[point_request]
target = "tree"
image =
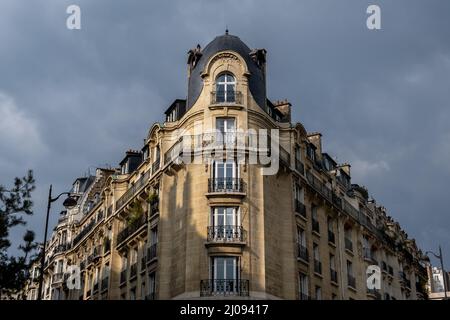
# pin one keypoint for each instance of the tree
(14, 204)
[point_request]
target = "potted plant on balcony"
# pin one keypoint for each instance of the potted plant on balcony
(152, 198)
(136, 213)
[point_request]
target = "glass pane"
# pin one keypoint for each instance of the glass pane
(221, 78)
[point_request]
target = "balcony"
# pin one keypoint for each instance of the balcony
(151, 252)
(317, 266)
(319, 186)
(351, 281)
(105, 284)
(315, 226)
(61, 248)
(333, 275)
(225, 185)
(331, 237)
(226, 234)
(348, 244)
(133, 270)
(300, 208)
(58, 277)
(83, 233)
(130, 229)
(222, 98)
(303, 252)
(135, 188)
(222, 287)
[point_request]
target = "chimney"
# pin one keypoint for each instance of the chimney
(284, 106)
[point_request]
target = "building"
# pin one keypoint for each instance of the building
(168, 226)
(436, 283)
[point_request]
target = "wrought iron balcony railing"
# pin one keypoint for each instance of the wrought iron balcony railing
(229, 97)
(226, 233)
(225, 287)
(138, 185)
(58, 277)
(303, 252)
(131, 229)
(225, 185)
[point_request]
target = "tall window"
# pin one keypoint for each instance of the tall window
(318, 293)
(225, 274)
(152, 285)
(301, 237)
(225, 88)
(225, 223)
(225, 131)
(315, 219)
(316, 252)
(226, 176)
(303, 286)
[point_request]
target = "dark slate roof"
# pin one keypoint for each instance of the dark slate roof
(226, 42)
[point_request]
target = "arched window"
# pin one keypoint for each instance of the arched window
(225, 88)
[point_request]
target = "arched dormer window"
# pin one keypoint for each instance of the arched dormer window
(225, 88)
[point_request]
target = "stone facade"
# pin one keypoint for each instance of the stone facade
(159, 227)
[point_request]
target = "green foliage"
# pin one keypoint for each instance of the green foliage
(15, 203)
(136, 213)
(152, 198)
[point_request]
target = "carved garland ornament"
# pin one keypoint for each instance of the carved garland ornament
(226, 57)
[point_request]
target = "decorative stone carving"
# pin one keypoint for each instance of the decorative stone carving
(259, 56)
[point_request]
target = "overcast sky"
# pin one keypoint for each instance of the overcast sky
(72, 100)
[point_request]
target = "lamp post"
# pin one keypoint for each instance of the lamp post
(70, 202)
(444, 276)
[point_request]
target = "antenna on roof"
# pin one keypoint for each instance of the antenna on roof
(226, 29)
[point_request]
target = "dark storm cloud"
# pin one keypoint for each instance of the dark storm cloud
(73, 100)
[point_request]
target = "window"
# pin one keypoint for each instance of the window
(303, 286)
(225, 176)
(225, 131)
(318, 293)
(154, 235)
(298, 153)
(299, 195)
(316, 252)
(317, 263)
(152, 285)
(301, 237)
(349, 268)
(311, 151)
(225, 274)
(331, 237)
(225, 88)
(225, 224)
(315, 221)
(133, 294)
(332, 262)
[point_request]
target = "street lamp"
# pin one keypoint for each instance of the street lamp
(70, 202)
(439, 256)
